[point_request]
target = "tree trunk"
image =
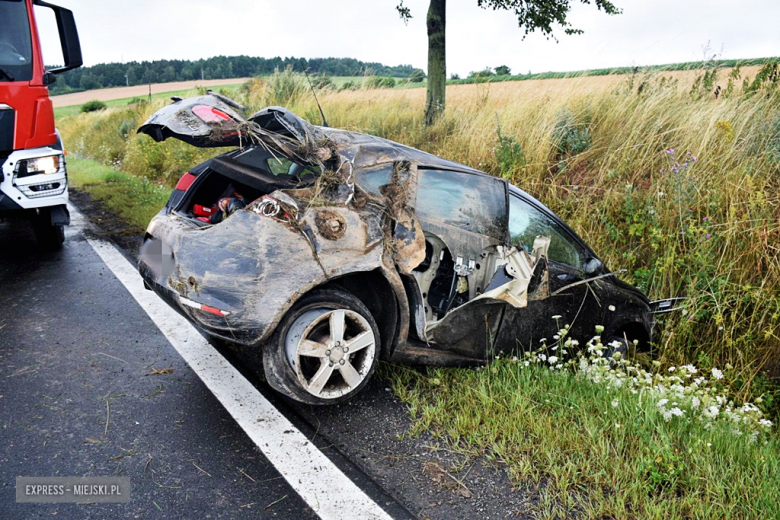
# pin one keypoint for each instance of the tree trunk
(437, 64)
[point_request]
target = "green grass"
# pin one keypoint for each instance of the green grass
(562, 434)
(61, 112)
(135, 199)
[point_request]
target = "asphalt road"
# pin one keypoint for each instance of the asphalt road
(90, 386)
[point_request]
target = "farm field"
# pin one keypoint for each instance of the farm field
(663, 179)
(110, 94)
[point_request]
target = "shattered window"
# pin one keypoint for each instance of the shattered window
(476, 203)
(279, 165)
(527, 222)
(372, 179)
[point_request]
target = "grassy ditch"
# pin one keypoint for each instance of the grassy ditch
(596, 450)
(134, 199)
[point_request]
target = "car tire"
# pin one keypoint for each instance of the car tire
(49, 237)
(624, 347)
(324, 350)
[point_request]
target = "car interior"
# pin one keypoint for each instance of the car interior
(247, 175)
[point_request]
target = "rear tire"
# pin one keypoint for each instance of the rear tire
(324, 350)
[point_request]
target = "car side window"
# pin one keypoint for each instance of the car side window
(526, 222)
(371, 180)
(476, 203)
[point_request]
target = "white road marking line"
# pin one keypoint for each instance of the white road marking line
(324, 487)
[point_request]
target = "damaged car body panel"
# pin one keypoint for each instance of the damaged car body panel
(329, 248)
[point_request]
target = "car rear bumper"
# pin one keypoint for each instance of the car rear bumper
(219, 327)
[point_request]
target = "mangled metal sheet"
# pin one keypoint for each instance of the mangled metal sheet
(259, 261)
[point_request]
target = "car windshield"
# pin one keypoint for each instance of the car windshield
(15, 44)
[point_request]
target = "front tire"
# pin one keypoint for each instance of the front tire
(324, 350)
(50, 237)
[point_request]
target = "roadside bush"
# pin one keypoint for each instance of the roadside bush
(571, 136)
(93, 106)
(379, 82)
(417, 76)
(509, 154)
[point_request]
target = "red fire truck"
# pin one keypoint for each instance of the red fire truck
(33, 179)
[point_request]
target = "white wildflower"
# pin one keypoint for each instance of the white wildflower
(552, 359)
(676, 411)
(615, 402)
(695, 402)
(557, 317)
(672, 369)
(717, 374)
(612, 308)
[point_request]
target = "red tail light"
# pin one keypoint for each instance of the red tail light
(210, 114)
(186, 181)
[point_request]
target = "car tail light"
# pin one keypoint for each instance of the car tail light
(186, 181)
(210, 114)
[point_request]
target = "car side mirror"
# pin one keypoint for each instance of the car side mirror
(592, 266)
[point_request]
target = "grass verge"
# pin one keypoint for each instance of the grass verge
(592, 450)
(134, 199)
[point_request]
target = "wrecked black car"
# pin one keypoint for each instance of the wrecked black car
(334, 249)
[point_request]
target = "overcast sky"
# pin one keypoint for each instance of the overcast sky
(648, 32)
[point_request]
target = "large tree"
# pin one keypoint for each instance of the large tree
(531, 15)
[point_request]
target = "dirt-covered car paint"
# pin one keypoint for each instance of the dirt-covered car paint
(447, 285)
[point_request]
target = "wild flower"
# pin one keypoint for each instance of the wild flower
(677, 395)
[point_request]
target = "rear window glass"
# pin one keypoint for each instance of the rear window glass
(476, 203)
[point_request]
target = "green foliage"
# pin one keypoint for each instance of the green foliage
(284, 87)
(572, 136)
(134, 199)
(543, 14)
(503, 70)
(767, 80)
(217, 67)
(487, 72)
(349, 85)
(417, 76)
(379, 82)
(322, 81)
(509, 153)
(93, 106)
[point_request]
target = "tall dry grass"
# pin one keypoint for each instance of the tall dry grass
(595, 151)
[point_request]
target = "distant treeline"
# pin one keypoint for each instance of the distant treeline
(488, 75)
(218, 67)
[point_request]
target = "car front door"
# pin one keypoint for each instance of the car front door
(567, 304)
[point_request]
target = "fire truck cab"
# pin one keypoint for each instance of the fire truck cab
(33, 178)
